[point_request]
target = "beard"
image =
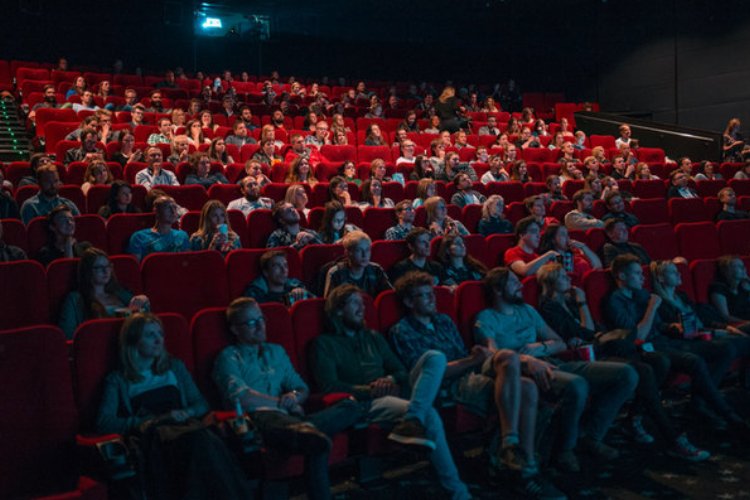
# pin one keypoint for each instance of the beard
(51, 100)
(515, 300)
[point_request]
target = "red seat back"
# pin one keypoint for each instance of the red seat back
(243, 266)
(698, 240)
(658, 240)
(23, 293)
(260, 225)
(121, 226)
(650, 211)
(687, 210)
(469, 300)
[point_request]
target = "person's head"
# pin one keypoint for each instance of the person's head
(664, 275)
(120, 194)
(246, 321)
(553, 279)
(156, 98)
(154, 157)
(213, 214)
(679, 179)
(627, 272)
(297, 141)
(426, 188)
(685, 164)
(502, 286)
(87, 98)
(405, 212)
(618, 163)
(218, 149)
(88, 139)
(415, 291)
(731, 269)
(142, 341)
(377, 169)
(95, 270)
(48, 179)
(452, 160)
(529, 232)
(493, 207)
(79, 83)
(518, 169)
(180, 145)
(98, 172)
(357, 247)
(535, 206)
(348, 170)
(418, 242)
(206, 119)
(250, 188)
(583, 200)
(373, 130)
(200, 164)
(321, 130)
(334, 218)
(625, 131)
(178, 117)
(452, 246)
(165, 126)
(136, 114)
(642, 171)
(567, 148)
(345, 309)
(615, 202)
(593, 184)
(445, 138)
(297, 196)
(61, 223)
(166, 210)
(370, 189)
(435, 209)
(554, 184)
(239, 128)
(616, 230)
(728, 197)
(337, 186)
(130, 96)
(284, 214)
(555, 237)
(407, 148)
(49, 93)
(462, 182)
(460, 138)
(300, 169)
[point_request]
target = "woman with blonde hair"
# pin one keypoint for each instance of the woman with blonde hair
(297, 197)
(438, 222)
(493, 220)
(300, 172)
(214, 230)
(97, 173)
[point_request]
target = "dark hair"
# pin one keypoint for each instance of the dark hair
(238, 305)
(621, 262)
(580, 194)
(548, 238)
(524, 224)
(335, 181)
(114, 192)
(411, 280)
(415, 233)
(419, 168)
(92, 308)
(496, 279)
(325, 230)
(51, 219)
(265, 260)
(335, 304)
(445, 259)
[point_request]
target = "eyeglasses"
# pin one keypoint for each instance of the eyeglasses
(252, 323)
(98, 269)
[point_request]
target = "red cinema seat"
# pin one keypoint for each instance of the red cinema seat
(390, 310)
(510, 191)
(651, 155)
(225, 193)
(649, 189)
(497, 244)
(243, 266)
(14, 233)
(23, 294)
(658, 240)
(469, 300)
(702, 272)
(597, 284)
(192, 197)
(128, 272)
(62, 278)
(260, 225)
(687, 210)
(97, 197)
(734, 236)
(39, 418)
(471, 215)
(121, 226)
(389, 252)
(315, 257)
(190, 221)
(559, 209)
(606, 141)
(339, 154)
(698, 240)
(709, 187)
(185, 282)
(378, 220)
(650, 211)
(366, 154)
(741, 186)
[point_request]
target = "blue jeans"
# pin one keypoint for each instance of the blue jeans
(608, 384)
(425, 379)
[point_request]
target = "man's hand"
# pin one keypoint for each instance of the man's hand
(540, 371)
(383, 386)
(479, 353)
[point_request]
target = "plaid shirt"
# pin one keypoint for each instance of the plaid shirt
(397, 232)
(372, 282)
(411, 338)
(283, 238)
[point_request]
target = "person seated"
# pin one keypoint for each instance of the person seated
(200, 171)
(465, 194)
(289, 232)
(493, 219)
(266, 155)
(575, 256)
(194, 132)
(461, 140)
(297, 196)
(251, 198)
(643, 172)
(620, 169)
(47, 198)
(161, 237)
(217, 151)
(418, 243)
(566, 307)
(97, 174)
(87, 103)
(164, 133)
(356, 268)
(405, 214)
(152, 392)
(618, 235)
(214, 231)
(728, 200)
(437, 220)
(482, 381)
(372, 195)
(458, 265)
(179, 150)
(537, 208)
(154, 174)
(730, 291)
(616, 206)
(35, 161)
(338, 190)
(744, 172)
(631, 307)
(426, 188)
(407, 149)
(509, 323)
(61, 241)
(452, 166)
(410, 123)
(88, 150)
(255, 169)
(348, 170)
(374, 136)
(352, 358)
(137, 114)
(240, 135)
(9, 253)
(518, 170)
(333, 226)
(300, 171)
(679, 186)
(490, 128)
(527, 139)
(119, 200)
(274, 284)
(127, 152)
(580, 218)
(554, 190)
(156, 104)
(98, 294)
(522, 259)
(497, 172)
(624, 138)
(707, 171)
(90, 121)
(321, 137)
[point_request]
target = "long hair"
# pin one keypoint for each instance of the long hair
(88, 176)
(130, 334)
(224, 158)
(92, 308)
(335, 181)
(335, 304)
(547, 242)
(204, 223)
(490, 202)
(444, 257)
(547, 275)
(430, 207)
(325, 230)
(367, 191)
(114, 191)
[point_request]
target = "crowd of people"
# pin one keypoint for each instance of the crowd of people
(519, 356)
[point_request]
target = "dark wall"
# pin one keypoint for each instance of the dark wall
(682, 61)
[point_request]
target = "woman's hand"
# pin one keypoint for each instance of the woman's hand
(140, 303)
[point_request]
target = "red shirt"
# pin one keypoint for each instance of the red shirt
(517, 253)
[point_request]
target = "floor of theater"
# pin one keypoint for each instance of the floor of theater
(641, 472)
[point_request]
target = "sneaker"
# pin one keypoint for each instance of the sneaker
(512, 457)
(599, 450)
(637, 432)
(682, 448)
(568, 462)
(538, 487)
(411, 432)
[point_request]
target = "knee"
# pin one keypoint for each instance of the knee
(629, 377)
(433, 359)
(529, 392)
(507, 362)
(577, 390)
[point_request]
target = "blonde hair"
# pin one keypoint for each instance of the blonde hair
(447, 93)
(547, 275)
(204, 223)
(430, 206)
(130, 335)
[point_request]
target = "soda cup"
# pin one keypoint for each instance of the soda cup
(586, 353)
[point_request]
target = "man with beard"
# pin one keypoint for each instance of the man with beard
(581, 217)
(251, 199)
(47, 198)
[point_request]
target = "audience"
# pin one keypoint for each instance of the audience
(119, 200)
(458, 265)
(47, 198)
(618, 235)
(465, 193)
(289, 232)
(438, 222)
(616, 206)
(162, 237)
(333, 226)
(405, 214)
(214, 230)
(580, 218)
(728, 200)
(575, 257)
(273, 283)
(201, 174)
(730, 291)
(356, 267)
(522, 259)
(493, 219)
(61, 240)
(154, 174)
